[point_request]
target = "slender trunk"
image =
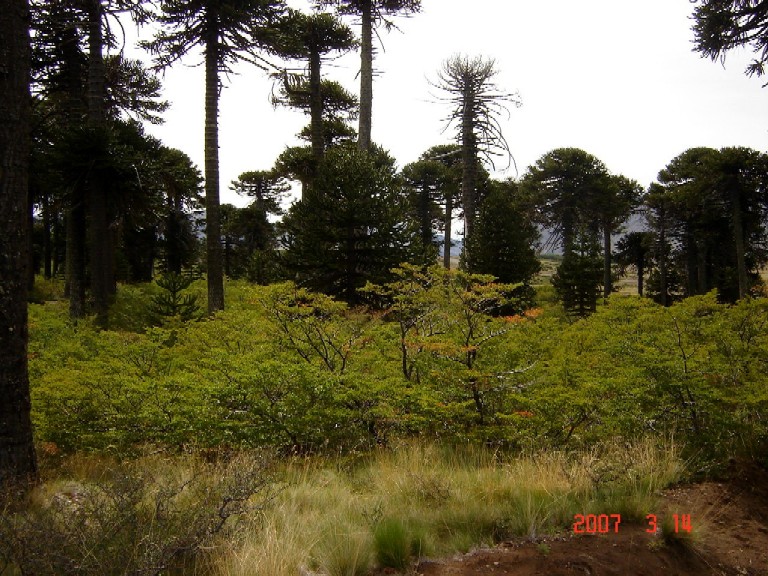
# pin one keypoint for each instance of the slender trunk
(607, 284)
(663, 280)
(47, 251)
(690, 263)
(640, 273)
(75, 204)
(316, 108)
(99, 237)
(701, 268)
(366, 75)
(212, 211)
(738, 240)
(469, 167)
(425, 223)
(56, 245)
(18, 464)
(75, 253)
(30, 241)
(567, 232)
(448, 222)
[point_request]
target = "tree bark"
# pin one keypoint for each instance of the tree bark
(447, 224)
(47, 251)
(99, 237)
(212, 211)
(74, 217)
(18, 465)
(468, 165)
(738, 240)
(607, 287)
(366, 75)
(316, 107)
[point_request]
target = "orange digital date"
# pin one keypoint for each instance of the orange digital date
(605, 523)
(596, 523)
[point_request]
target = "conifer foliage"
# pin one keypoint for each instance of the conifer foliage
(350, 227)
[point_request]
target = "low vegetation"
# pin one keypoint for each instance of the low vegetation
(447, 414)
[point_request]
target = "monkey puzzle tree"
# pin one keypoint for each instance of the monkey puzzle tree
(311, 37)
(722, 25)
(17, 454)
(715, 203)
(349, 227)
(612, 206)
(504, 240)
(635, 249)
(228, 31)
(438, 171)
(372, 13)
(476, 104)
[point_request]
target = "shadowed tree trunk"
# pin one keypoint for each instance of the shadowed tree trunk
(316, 107)
(212, 210)
(17, 455)
(447, 224)
(468, 163)
(607, 285)
(738, 240)
(74, 218)
(366, 75)
(98, 226)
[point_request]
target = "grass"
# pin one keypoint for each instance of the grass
(418, 500)
(342, 517)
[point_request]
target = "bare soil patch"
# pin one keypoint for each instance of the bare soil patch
(730, 521)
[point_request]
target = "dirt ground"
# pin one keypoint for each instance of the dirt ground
(729, 520)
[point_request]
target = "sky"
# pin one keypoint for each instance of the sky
(617, 78)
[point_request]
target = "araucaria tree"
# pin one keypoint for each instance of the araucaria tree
(722, 25)
(228, 31)
(372, 13)
(476, 104)
(17, 454)
(311, 37)
(710, 206)
(573, 195)
(505, 239)
(349, 227)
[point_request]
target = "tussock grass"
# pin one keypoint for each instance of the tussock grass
(420, 499)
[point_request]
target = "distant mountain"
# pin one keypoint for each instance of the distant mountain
(457, 244)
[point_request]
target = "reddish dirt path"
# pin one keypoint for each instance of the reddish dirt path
(733, 523)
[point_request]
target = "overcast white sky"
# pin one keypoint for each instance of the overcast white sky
(617, 78)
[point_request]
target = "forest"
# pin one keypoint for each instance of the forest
(315, 383)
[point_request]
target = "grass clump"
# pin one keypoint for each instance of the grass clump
(393, 544)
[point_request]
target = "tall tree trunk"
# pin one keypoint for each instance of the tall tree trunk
(663, 274)
(691, 260)
(75, 252)
(316, 108)
(100, 241)
(366, 75)
(701, 268)
(640, 273)
(738, 240)
(447, 224)
(30, 241)
(212, 211)
(75, 203)
(18, 464)
(47, 244)
(468, 166)
(607, 285)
